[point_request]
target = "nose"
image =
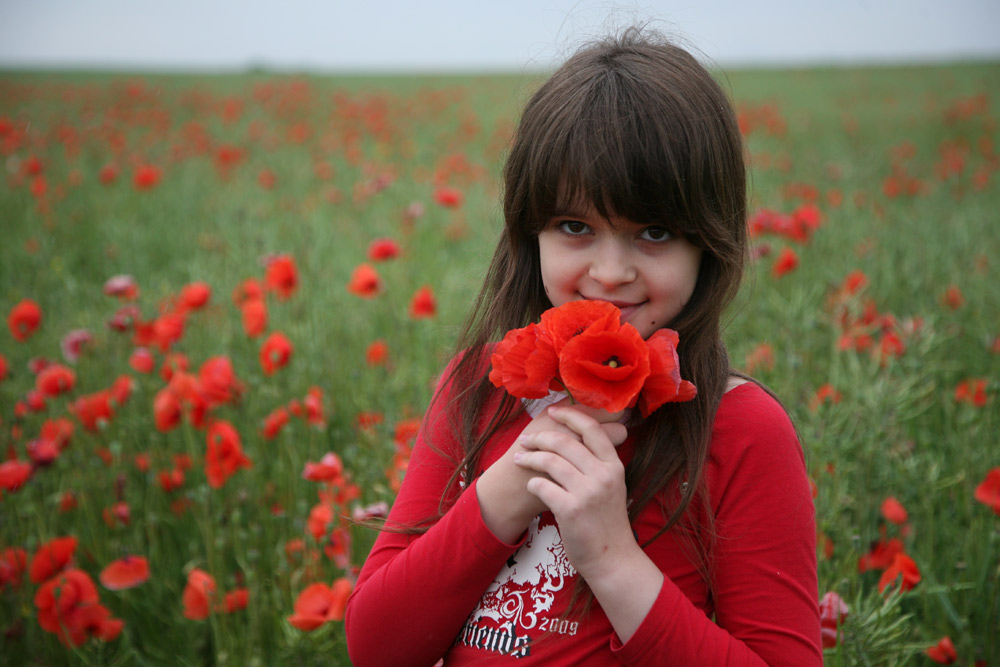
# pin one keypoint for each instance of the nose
(612, 264)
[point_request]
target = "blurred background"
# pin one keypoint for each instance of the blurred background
(462, 36)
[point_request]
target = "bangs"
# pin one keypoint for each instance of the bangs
(611, 148)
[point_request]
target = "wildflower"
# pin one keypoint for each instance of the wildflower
(275, 352)
(13, 474)
(274, 422)
(383, 249)
(377, 353)
(13, 563)
(224, 455)
(952, 297)
(825, 394)
(971, 391)
(761, 357)
(199, 592)
(894, 511)
(195, 295)
(787, 261)
(282, 276)
(141, 360)
(988, 491)
(24, 319)
(423, 305)
(832, 614)
(448, 197)
(122, 286)
(320, 603)
(127, 572)
(51, 557)
(146, 176)
(943, 652)
(68, 607)
(54, 380)
(72, 344)
(365, 282)
(329, 469)
(902, 569)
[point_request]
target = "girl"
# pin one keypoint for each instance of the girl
(548, 533)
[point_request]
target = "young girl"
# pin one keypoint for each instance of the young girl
(548, 533)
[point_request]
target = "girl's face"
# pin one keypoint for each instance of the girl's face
(641, 268)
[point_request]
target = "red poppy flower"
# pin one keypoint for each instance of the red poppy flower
(574, 317)
(943, 652)
(903, 569)
(24, 319)
(127, 572)
(881, 555)
(142, 360)
(108, 174)
(67, 501)
(825, 394)
(972, 391)
(274, 422)
(267, 179)
(313, 402)
(73, 343)
(13, 474)
(319, 603)
(3, 368)
(254, 314)
(235, 600)
(68, 607)
(225, 454)
(365, 282)
(988, 491)
(54, 380)
(51, 558)
(195, 295)
(787, 261)
(329, 469)
(894, 511)
(217, 381)
(664, 384)
(605, 369)
(247, 290)
(146, 176)
(832, 614)
(168, 328)
(275, 352)
(199, 594)
(953, 298)
(525, 362)
(122, 286)
(320, 517)
(381, 250)
(13, 563)
(423, 304)
(377, 353)
(42, 452)
(59, 431)
(282, 276)
(761, 357)
(166, 410)
(93, 410)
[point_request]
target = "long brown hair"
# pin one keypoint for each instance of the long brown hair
(636, 126)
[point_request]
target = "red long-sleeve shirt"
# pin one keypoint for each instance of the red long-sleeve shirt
(459, 593)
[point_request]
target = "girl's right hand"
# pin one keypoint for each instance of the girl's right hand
(506, 505)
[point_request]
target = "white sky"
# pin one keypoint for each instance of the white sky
(464, 35)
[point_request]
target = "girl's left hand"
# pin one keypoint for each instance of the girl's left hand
(584, 489)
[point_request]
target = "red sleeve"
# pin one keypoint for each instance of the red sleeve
(765, 588)
(415, 592)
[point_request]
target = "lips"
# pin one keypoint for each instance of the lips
(628, 308)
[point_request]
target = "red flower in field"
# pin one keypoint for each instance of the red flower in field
(146, 176)
(24, 319)
(247, 290)
(275, 352)
(122, 286)
(195, 295)
(902, 568)
(319, 603)
(119, 513)
(605, 369)
(525, 362)
(760, 357)
(369, 420)
(58, 431)
(381, 250)
(787, 261)
(377, 353)
(282, 276)
(881, 555)
(170, 480)
(67, 501)
(448, 197)
(890, 346)
(13, 563)
(894, 511)
(127, 572)
(72, 344)
(13, 474)
(423, 304)
(972, 391)
(3, 368)
(199, 594)
(68, 607)
(952, 297)
(235, 600)
(329, 469)
(274, 422)
(42, 452)
(825, 394)
(943, 652)
(832, 614)
(225, 454)
(217, 381)
(166, 410)
(54, 380)
(365, 282)
(108, 174)
(254, 313)
(93, 410)
(141, 360)
(51, 557)
(267, 179)
(988, 491)
(664, 384)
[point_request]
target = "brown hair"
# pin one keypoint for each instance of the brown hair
(637, 127)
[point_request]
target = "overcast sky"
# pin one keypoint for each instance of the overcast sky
(464, 35)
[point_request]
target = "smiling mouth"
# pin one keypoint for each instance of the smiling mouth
(626, 307)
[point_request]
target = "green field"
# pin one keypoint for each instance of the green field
(896, 167)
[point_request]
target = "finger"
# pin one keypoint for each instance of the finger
(589, 429)
(565, 447)
(555, 467)
(617, 433)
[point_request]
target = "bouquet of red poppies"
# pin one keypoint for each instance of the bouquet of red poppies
(584, 349)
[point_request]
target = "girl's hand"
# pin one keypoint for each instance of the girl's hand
(507, 506)
(582, 481)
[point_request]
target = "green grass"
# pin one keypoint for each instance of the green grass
(897, 430)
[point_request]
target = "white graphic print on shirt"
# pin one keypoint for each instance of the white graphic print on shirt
(517, 605)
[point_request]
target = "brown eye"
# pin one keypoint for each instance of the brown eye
(655, 233)
(574, 227)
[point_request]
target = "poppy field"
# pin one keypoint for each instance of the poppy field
(227, 299)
